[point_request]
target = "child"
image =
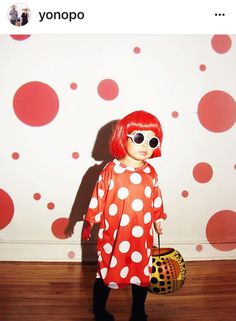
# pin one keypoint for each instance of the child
(127, 203)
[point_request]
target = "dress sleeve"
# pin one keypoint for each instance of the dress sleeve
(158, 208)
(97, 202)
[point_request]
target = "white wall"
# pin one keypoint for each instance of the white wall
(164, 77)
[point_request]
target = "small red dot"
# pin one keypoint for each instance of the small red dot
(137, 50)
(37, 196)
(234, 166)
(202, 67)
(50, 206)
(199, 248)
(15, 155)
(71, 254)
(185, 193)
(75, 155)
(175, 114)
(73, 85)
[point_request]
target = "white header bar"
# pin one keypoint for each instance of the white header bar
(120, 17)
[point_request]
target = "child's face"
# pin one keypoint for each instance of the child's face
(140, 151)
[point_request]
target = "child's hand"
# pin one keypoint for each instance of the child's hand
(157, 227)
(86, 232)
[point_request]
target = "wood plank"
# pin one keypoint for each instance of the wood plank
(37, 291)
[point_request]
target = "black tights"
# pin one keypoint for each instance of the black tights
(139, 294)
(100, 296)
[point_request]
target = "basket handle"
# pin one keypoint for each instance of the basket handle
(159, 244)
(157, 241)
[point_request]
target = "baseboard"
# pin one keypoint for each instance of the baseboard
(66, 250)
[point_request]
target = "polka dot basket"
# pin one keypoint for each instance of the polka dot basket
(168, 271)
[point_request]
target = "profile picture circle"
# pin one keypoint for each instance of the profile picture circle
(19, 14)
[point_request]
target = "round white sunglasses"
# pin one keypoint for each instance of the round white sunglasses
(138, 138)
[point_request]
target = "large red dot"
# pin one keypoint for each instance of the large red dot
(59, 226)
(35, 103)
(220, 230)
(108, 89)
(6, 209)
(221, 43)
(217, 111)
(202, 172)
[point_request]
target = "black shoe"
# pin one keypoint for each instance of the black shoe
(104, 317)
(139, 317)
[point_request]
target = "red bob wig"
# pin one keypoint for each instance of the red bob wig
(137, 120)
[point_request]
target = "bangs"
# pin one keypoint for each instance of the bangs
(143, 126)
(143, 121)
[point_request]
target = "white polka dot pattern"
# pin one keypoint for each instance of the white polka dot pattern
(98, 217)
(113, 285)
(101, 193)
(137, 205)
(100, 233)
(106, 225)
(111, 184)
(124, 220)
(135, 280)
(135, 178)
(148, 191)
(104, 272)
(118, 169)
(147, 170)
(112, 209)
(136, 257)
(124, 247)
(157, 202)
(107, 248)
(113, 262)
(125, 202)
(93, 203)
(124, 272)
(123, 193)
(146, 270)
(137, 231)
(147, 217)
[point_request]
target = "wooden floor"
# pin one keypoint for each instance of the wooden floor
(62, 291)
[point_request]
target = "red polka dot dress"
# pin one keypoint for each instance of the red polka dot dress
(125, 201)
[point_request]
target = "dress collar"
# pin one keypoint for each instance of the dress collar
(130, 168)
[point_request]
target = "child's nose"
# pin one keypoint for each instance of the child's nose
(145, 142)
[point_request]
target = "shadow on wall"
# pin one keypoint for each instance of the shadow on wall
(101, 153)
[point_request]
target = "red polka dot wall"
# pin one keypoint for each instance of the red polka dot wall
(60, 98)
